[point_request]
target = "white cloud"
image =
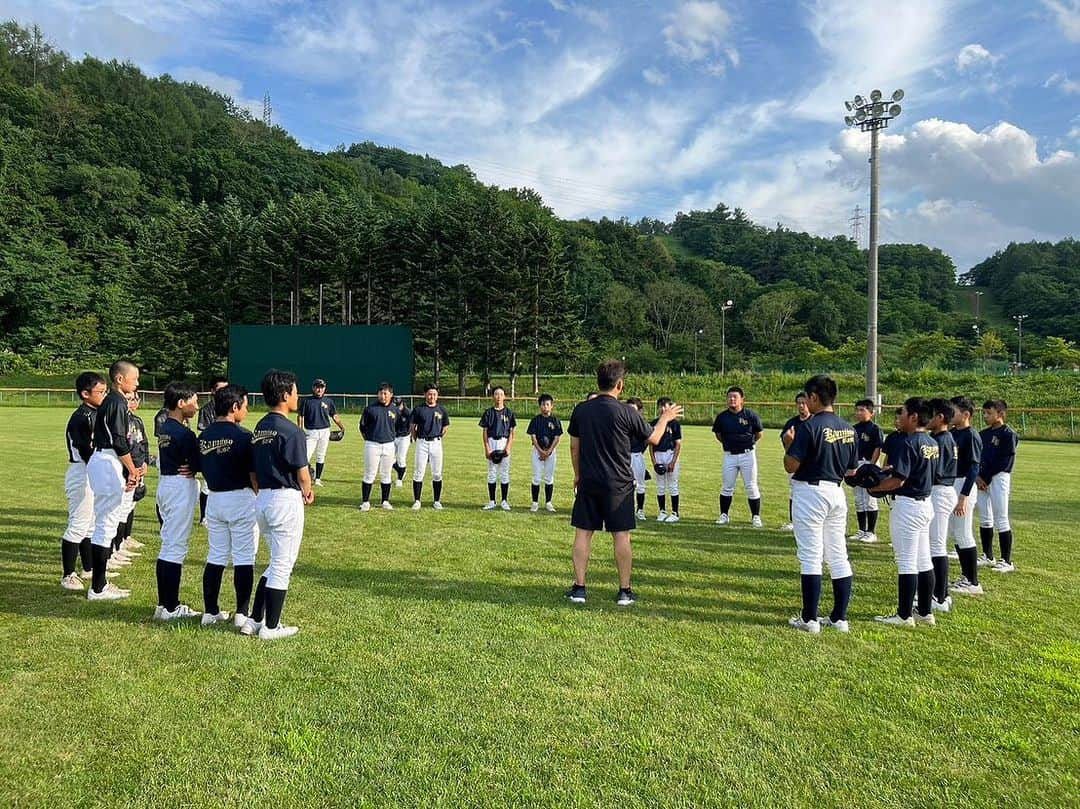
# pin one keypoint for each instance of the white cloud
(974, 57)
(1062, 80)
(226, 85)
(581, 11)
(698, 32)
(655, 76)
(1067, 14)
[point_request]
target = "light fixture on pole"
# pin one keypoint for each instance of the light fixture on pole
(697, 334)
(1020, 339)
(723, 335)
(978, 299)
(872, 115)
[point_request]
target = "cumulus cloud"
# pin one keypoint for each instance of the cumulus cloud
(1062, 81)
(974, 57)
(655, 76)
(1067, 15)
(582, 11)
(226, 85)
(698, 32)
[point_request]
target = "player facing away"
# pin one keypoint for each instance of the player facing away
(430, 422)
(402, 439)
(546, 432)
(994, 483)
(314, 417)
(279, 451)
(914, 464)
(498, 424)
(75, 544)
(110, 471)
(228, 467)
(637, 462)
(738, 429)
(378, 426)
(177, 493)
(665, 460)
(206, 418)
(601, 430)
(802, 414)
(943, 498)
(819, 453)
(869, 439)
(125, 549)
(969, 457)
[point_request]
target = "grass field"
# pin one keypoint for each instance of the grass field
(438, 665)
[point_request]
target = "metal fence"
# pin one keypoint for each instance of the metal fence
(1040, 423)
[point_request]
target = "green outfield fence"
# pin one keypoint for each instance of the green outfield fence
(1039, 423)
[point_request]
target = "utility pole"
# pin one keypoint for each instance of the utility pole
(1020, 340)
(723, 335)
(268, 110)
(320, 303)
(856, 226)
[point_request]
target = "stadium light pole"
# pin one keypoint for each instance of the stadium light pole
(978, 299)
(697, 334)
(872, 115)
(723, 335)
(1020, 340)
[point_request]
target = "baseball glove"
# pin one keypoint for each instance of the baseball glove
(660, 468)
(140, 492)
(337, 435)
(868, 476)
(498, 455)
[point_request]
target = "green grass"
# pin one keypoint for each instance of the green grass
(438, 665)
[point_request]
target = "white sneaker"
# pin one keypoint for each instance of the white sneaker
(278, 632)
(966, 588)
(239, 620)
(787, 527)
(535, 507)
(437, 505)
(134, 544)
(490, 506)
(116, 564)
(941, 606)
(505, 506)
(251, 627)
(828, 623)
(756, 522)
(72, 582)
(857, 536)
(723, 520)
(810, 627)
(894, 620)
(86, 575)
(399, 483)
(550, 506)
(202, 522)
(210, 620)
(672, 517)
(416, 505)
(641, 515)
(387, 506)
(868, 537)
(661, 517)
(1003, 567)
(181, 611)
(318, 481)
(925, 620)
(110, 593)
(125, 554)
(365, 506)
(986, 561)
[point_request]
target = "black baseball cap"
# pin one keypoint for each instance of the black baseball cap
(319, 383)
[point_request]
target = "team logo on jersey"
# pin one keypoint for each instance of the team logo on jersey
(832, 436)
(743, 422)
(263, 436)
(438, 416)
(931, 453)
(995, 441)
(551, 425)
(392, 415)
(324, 405)
(164, 440)
(219, 447)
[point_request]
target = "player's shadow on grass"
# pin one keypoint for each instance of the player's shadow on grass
(40, 597)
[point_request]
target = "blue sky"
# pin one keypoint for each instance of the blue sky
(640, 108)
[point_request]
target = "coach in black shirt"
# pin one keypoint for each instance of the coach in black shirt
(602, 430)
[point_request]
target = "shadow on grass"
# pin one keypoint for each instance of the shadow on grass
(41, 597)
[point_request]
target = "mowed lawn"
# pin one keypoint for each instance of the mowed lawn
(438, 664)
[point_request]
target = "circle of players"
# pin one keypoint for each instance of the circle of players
(257, 483)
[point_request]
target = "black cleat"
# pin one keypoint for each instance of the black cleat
(576, 594)
(626, 598)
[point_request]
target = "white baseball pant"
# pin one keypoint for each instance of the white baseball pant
(543, 471)
(106, 476)
(378, 461)
(203, 488)
(428, 451)
(667, 483)
(819, 514)
(280, 515)
(317, 442)
(637, 465)
(80, 498)
(233, 528)
(401, 450)
(943, 499)
(744, 464)
(177, 497)
(498, 471)
(994, 504)
(127, 503)
(864, 501)
(960, 527)
(909, 523)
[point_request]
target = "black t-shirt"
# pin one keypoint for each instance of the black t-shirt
(892, 444)
(316, 411)
(403, 425)
(794, 421)
(916, 462)
(969, 456)
(605, 427)
(80, 433)
(947, 462)
(378, 423)
(177, 446)
(112, 424)
(280, 451)
(545, 428)
(498, 423)
(140, 444)
(638, 444)
(737, 430)
(824, 446)
(998, 450)
(672, 433)
(227, 458)
(430, 421)
(206, 415)
(868, 438)
(160, 418)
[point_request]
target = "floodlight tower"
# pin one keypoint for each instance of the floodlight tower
(871, 115)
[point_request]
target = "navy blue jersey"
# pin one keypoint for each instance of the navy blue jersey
(160, 418)
(998, 450)
(227, 458)
(672, 433)
(737, 430)
(316, 411)
(824, 446)
(403, 425)
(868, 438)
(947, 463)
(498, 423)
(545, 428)
(430, 421)
(969, 456)
(80, 433)
(279, 449)
(140, 444)
(378, 423)
(177, 446)
(112, 424)
(638, 444)
(916, 462)
(794, 421)
(892, 444)
(605, 428)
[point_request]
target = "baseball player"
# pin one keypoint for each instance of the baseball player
(227, 465)
(177, 494)
(160, 418)
(943, 498)
(402, 439)
(125, 549)
(818, 453)
(894, 441)
(206, 418)
(914, 464)
(546, 431)
(802, 415)
(969, 456)
(637, 462)
(738, 429)
(430, 422)
(313, 417)
(378, 426)
(79, 434)
(869, 439)
(110, 471)
(279, 450)
(994, 483)
(498, 424)
(665, 460)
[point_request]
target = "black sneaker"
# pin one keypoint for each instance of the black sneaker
(576, 594)
(626, 597)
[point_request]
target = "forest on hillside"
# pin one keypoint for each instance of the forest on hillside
(140, 216)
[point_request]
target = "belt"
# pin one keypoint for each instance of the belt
(738, 451)
(821, 482)
(946, 482)
(913, 497)
(437, 438)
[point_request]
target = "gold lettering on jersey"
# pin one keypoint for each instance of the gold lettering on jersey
(438, 416)
(929, 452)
(219, 447)
(832, 436)
(164, 440)
(263, 436)
(995, 441)
(743, 422)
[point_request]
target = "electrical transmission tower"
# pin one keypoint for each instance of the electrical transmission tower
(856, 226)
(268, 110)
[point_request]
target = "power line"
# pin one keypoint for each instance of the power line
(856, 226)
(268, 110)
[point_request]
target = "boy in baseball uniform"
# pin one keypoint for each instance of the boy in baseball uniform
(999, 442)
(430, 421)
(378, 426)
(546, 432)
(206, 418)
(665, 460)
(869, 439)
(402, 439)
(313, 417)
(943, 497)
(802, 414)
(637, 461)
(969, 458)
(498, 424)
(79, 435)
(738, 429)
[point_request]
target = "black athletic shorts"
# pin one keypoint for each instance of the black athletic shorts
(604, 511)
